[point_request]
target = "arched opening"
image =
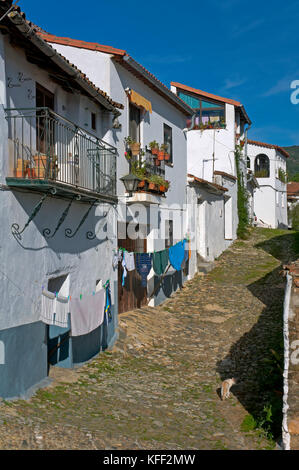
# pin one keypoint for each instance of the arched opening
(262, 166)
(248, 163)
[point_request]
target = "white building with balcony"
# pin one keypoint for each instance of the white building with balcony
(217, 127)
(267, 163)
(151, 113)
(58, 198)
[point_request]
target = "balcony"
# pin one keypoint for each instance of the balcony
(48, 153)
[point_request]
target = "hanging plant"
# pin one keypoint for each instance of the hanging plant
(242, 198)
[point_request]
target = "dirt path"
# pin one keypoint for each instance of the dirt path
(158, 388)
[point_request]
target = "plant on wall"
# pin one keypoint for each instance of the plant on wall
(282, 175)
(242, 198)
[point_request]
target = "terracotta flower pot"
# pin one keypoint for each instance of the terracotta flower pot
(161, 156)
(31, 173)
(141, 184)
(167, 157)
(152, 186)
(157, 162)
(135, 148)
(155, 151)
(162, 189)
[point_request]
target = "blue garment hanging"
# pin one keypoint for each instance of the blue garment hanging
(108, 313)
(176, 255)
(143, 265)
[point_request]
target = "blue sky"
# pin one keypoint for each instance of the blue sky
(248, 51)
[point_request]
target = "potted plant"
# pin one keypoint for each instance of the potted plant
(164, 147)
(222, 123)
(153, 182)
(210, 125)
(154, 146)
(161, 154)
(133, 145)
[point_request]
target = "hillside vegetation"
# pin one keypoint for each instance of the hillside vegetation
(293, 163)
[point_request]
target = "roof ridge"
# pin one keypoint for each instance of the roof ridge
(264, 144)
(201, 92)
(80, 44)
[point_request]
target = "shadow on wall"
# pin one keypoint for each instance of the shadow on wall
(54, 218)
(256, 359)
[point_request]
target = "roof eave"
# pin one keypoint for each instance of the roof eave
(162, 88)
(26, 30)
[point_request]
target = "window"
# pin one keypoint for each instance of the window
(168, 233)
(262, 166)
(248, 162)
(134, 122)
(94, 121)
(168, 141)
(207, 111)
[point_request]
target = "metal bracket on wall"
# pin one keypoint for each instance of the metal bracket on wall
(90, 235)
(69, 233)
(47, 231)
(15, 228)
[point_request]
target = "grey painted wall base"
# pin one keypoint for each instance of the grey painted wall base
(173, 281)
(25, 359)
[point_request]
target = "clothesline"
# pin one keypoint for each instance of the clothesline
(69, 297)
(150, 252)
(81, 316)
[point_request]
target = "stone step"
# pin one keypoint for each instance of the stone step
(205, 267)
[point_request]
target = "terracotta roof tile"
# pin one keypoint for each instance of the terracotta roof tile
(93, 46)
(119, 55)
(36, 32)
(226, 175)
(205, 94)
(207, 183)
(270, 146)
(293, 188)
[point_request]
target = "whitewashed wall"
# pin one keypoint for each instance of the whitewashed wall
(270, 204)
(84, 261)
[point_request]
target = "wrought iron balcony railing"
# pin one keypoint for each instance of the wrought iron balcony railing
(45, 146)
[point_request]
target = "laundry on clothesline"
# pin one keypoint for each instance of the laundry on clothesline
(129, 260)
(108, 313)
(87, 313)
(176, 255)
(143, 266)
(55, 309)
(160, 261)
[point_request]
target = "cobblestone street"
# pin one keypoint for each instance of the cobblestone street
(159, 387)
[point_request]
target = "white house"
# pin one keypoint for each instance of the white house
(268, 164)
(151, 113)
(217, 127)
(58, 199)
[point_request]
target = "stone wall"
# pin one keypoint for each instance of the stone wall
(290, 429)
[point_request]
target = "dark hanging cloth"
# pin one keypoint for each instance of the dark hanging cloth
(143, 265)
(108, 312)
(160, 261)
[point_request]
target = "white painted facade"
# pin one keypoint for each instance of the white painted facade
(27, 264)
(210, 151)
(113, 78)
(270, 199)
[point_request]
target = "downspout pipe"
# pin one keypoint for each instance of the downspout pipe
(187, 129)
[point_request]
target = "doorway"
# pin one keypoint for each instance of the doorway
(44, 125)
(131, 295)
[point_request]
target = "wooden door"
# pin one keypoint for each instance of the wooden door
(44, 126)
(132, 295)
